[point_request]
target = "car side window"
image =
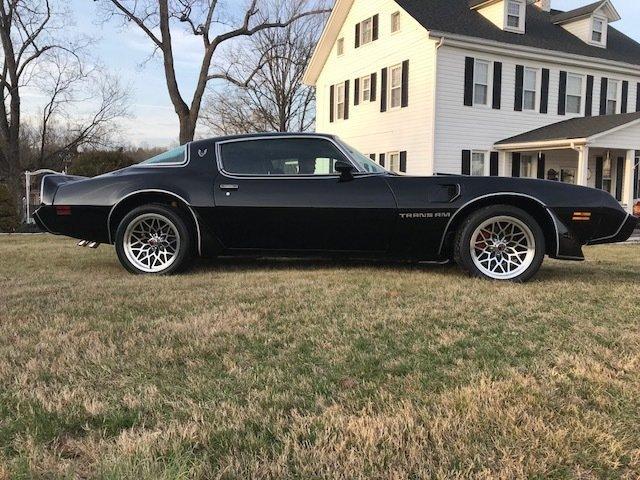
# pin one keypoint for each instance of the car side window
(280, 156)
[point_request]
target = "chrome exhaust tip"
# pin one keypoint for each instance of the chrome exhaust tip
(93, 245)
(83, 243)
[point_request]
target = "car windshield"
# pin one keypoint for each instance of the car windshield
(176, 156)
(364, 162)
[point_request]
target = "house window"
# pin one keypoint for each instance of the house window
(395, 86)
(366, 31)
(513, 15)
(527, 167)
(606, 175)
(478, 164)
(574, 93)
(395, 22)
(612, 97)
(481, 83)
(340, 101)
(394, 161)
(530, 89)
(340, 47)
(365, 95)
(598, 29)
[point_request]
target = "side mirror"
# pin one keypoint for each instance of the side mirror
(345, 169)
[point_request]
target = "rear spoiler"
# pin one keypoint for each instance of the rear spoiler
(50, 184)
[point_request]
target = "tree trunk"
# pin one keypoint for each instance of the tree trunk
(187, 129)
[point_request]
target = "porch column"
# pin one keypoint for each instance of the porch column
(627, 179)
(502, 163)
(583, 166)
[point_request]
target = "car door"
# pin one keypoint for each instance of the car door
(283, 194)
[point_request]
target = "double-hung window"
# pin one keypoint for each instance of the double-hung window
(340, 47)
(574, 93)
(598, 30)
(340, 101)
(394, 162)
(395, 86)
(478, 164)
(365, 87)
(613, 88)
(513, 14)
(395, 22)
(366, 31)
(530, 89)
(481, 83)
(606, 175)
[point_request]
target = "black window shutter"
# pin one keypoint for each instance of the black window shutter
(372, 156)
(625, 97)
(497, 85)
(599, 170)
(346, 100)
(466, 162)
(638, 98)
(357, 35)
(469, 65)
(588, 107)
(376, 29)
(544, 95)
(517, 106)
(374, 85)
(619, 178)
(403, 162)
(356, 91)
(562, 94)
(542, 165)
(332, 93)
(493, 165)
(405, 84)
(515, 164)
(604, 86)
(383, 90)
(382, 159)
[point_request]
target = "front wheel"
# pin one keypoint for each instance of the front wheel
(153, 239)
(500, 242)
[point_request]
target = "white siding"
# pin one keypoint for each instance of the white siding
(477, 128)
(368, 129)
(583, 29)
(494, 13)
(626, 138)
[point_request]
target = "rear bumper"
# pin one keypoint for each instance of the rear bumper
(81, 222)
(623, 233)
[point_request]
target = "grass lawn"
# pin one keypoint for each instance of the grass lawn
(288, 369)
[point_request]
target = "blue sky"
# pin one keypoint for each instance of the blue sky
(153, 120)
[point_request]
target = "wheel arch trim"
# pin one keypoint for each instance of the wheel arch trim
(165, 192)
(504, 194)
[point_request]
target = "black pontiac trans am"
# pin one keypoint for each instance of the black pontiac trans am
(313, 195)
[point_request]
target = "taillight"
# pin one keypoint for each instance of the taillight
(63, 211)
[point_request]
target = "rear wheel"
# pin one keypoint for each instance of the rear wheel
(500, 242)
(153, 240)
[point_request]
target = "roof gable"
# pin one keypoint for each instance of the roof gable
(604, 6)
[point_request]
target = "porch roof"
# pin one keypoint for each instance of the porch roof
(575, 130)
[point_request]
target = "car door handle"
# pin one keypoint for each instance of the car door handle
(228, 187)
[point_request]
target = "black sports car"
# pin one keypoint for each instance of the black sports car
(302, 194)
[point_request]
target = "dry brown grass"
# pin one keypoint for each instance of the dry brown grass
(266, 369)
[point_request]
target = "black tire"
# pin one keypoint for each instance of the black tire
(475, 261)
(183, 253)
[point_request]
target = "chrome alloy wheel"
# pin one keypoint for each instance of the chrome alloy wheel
(503, 247)
(151, 243)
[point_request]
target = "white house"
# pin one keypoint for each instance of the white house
(484, 87)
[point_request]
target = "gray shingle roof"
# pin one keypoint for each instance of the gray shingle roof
(456, 16)
(577, 13)
(576, 128)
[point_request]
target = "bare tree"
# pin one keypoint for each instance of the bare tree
(39, 53)
(274, 98)
(208, 20)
